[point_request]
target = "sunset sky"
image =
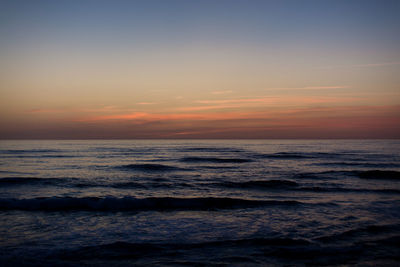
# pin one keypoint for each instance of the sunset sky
(199, 69)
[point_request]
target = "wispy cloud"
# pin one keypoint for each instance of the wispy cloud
(209, 107)
(244, 100)
(311, 87)
(146, 103)
(229, 103)
(70, 110)
(149, 117)
(190, 114)
(268, 101)
(296, 122)
(39, 110)
(365, 65)
(105, 109)
(326, 87)
(222, 92)
(382, 64)
(130, 116)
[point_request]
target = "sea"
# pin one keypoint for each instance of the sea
(200, 203)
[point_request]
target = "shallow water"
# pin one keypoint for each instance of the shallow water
(193, 202)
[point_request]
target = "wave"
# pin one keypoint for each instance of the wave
(301, 155)
(369, 230)
(219, 167)
(19, 156)
(128, 185)
(122, 185)
(76, 182)
(31, 181)
(378, 174)
(284, 155)
(210, 149)
(125, 247)
(371, 174)
(134, 251)
(360, 164)
(294, 251)
(250, 251)
(20, 151)
(294, 186)
(259, 184)
(58, 156)
(165, 183)
(123, 149)
(134, 185)
(215, 160)
(135, 204)
(322, 175)
(13, 172)
(347, 190)
(150, 167)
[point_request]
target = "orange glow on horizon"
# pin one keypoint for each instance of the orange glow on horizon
(198, 70)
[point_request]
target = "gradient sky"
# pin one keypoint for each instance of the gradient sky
(199, 69)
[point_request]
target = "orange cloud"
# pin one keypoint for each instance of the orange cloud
(266, 114)
(306, 122)
(209, 107)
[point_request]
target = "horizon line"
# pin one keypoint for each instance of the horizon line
(144, 139)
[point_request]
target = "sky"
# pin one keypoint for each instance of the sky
(199, 69)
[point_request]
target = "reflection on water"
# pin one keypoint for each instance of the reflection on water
(200, 202)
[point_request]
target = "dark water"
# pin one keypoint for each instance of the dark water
(233, 203)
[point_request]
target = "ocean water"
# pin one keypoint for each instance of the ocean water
(201, 203)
